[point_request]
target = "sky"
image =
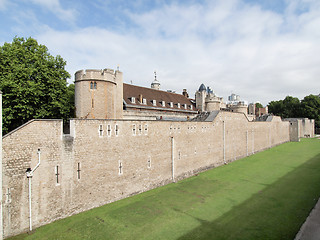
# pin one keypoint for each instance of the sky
(262, 50)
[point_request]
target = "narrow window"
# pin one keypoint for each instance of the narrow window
(146, 129)
(57, 174)
(100, 131)
(116, 129)
(191, 107)
(149, 162)
(163, 103)
(171, 104)
(93, 85)
(134, 132)
(92, 103)
(8, 196)
(144, 101)
(179, 155)
(120, 168)
(154, 102)
(78, 171)
(140, 129)
(178, 105)
(185, 106)
(133, 99)
(109, 130)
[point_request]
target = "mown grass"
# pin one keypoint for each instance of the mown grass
(264, 196)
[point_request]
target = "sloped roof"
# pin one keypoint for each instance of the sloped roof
(150, 94)
(202, 88)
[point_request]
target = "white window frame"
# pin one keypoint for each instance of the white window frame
(116, 130)
(109, 130)
(144, 101)
(163, 103)
(146, 129)
(57, 175)
(149, 164)
(100, 130)
(171, 104)
(78, 171)
(154, 102)
(133, 100)
(134, 130)
(120, 168)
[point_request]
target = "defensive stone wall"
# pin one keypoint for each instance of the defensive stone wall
(101, 161)
(300, 127)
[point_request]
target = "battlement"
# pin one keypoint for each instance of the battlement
(96, 74)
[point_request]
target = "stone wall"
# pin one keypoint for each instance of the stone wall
(102, 161)
(301, 127)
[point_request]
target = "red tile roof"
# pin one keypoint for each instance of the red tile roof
(140, 93)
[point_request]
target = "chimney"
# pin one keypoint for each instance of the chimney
(185, 93)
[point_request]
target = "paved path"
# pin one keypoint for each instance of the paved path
(310, 230)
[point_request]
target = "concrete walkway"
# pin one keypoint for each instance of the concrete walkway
(310, 230)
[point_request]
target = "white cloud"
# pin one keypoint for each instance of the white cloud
(232, 46)
(3, 4)
(55, 7)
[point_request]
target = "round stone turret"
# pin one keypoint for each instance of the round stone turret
(99, 94)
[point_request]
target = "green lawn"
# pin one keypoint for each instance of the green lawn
(264, 196)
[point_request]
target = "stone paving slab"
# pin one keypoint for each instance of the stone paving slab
(310, 230)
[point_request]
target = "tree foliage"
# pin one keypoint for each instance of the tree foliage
(33, 83)
(259, 105)
(292, 107)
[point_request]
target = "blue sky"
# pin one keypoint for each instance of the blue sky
(262, 50)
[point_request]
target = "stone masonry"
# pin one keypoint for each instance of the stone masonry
(102, 161)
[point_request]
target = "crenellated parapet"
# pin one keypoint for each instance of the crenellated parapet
(109, 75)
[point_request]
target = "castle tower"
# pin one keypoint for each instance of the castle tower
(155, 84)
(201, 98)
(99, 94)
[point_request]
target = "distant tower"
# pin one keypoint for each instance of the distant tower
(155, 84)
(99, 94)
(201, 98)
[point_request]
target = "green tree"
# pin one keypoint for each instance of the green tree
(310, 106)
(33, 83)
(288, 108)
(276, 107)
(259, 105)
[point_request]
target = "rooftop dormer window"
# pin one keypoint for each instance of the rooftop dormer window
(190, 107)
(178, 105)
(185, 106)
(171, 104)
(163, 103)
(133, 99)
(154, 102)
(144, 101)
